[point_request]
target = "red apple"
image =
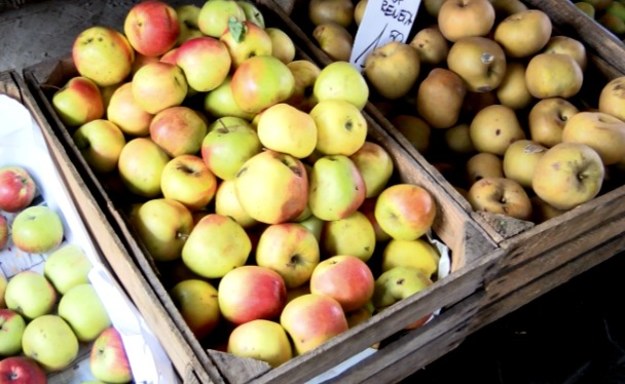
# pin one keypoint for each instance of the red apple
(245, 39)
(21, 370)
(345, 278)
(205, 62)
(405, 211)
(311, 320)
(78, 102)
(152, 27)
(17, 188)
(157, 86)
(108, 360)
(251, 292)
(178, 130)
(260, 82)
(126, 113)
(187, 179)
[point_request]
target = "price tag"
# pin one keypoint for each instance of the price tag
(382, 22)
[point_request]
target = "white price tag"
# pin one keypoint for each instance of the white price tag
(382, 22)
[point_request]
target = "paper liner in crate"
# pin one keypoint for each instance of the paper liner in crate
(22, 143)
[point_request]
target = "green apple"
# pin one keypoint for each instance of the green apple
(197, 302)
(227, 146)
(314, 225)
(260, 82)
(124, 111)
(187, 179)
(405, 211)
(188, 15)
(205, 62)
(50, 341)
(252, 13)
(227, 204)
(353, 235)
(103, 55)
(67, 267)
(108, 360)
(141, 165)
(30, 294)
(78, 101)
(158, 85)
(272, 187)
(220, 102)
(375, 165)
(83, 310)
(12, 327)
(337, 188)
(37, 229)
(261, 339)
(417, 253)
(216, 245)
(215, 15)
(289, 249)
(163, 226)
(284, 128)
(341, 80)
(341, 127)
(100, 142)
(244, 39)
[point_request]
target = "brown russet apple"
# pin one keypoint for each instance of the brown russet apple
(612, 98)
(569, 46)
(522, 34)
(520, 159)
(337, 11)
(505, 8)
(500, 195)
(480, 61)
(568, 174)
(392, 69)
(431, 45)
(494, 128)
(441, 87)
(600, 131)
(335, 40)
(483, 164)
(547, 118)
(512, 91)
(463, 18)
(553, 75)
(458, 139)
(415, 129)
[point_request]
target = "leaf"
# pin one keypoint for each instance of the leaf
(237, 29)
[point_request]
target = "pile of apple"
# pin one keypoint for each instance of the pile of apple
(46, 317)
(493, 98)
(247, 176)
(608, 13)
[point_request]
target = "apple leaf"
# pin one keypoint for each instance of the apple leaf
(237, 29)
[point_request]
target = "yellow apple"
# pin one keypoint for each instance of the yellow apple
(392, 69)
(494, 128)
(524, 33)
(547, 118)
(418, 253)
(284, 128)
(553, 75)
(341, 127)
(227, 204)
(569, 46)
(512, 91)
(601, 131)
(483, 164)
(612, 98)
(261, 339)
(341, 80)
(353, 235)
(375, 165)
(500, 195)
(464, 18)
(520, 159)
(431, 45)
(480, 61)
(196, 300)
(415, 129)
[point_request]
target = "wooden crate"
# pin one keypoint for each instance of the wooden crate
(474, 254)
(524, 240)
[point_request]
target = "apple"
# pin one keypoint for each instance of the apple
(464, 18)
(196, 300)
(520, 159)
(353, 235)
(188, 15)
(245, 39)
(375, 165)
(536, 26)
(103, 55)
(251, 292)
(405, 211)
(216, 245)
(416, 130)
(227, 146)
(216, 14)
(124, 111)
(612, 98)
(284, 128)
(141, 165)
(30, 294)
(479, 61)
(37, 229)
(368, 209)
(341, 127)
(219, 102)
(21, 370)
(568, 174)
(163, 226)
(570, 46)
(261, 339)
(311, 320)
(289, 249)
(440, 86)
(4, 233)
(50, 341)
(272, 187)
(67, 267)
(430, 44)
(157, 86)
(78, 101)
(547, 118)
(553, 75)
(305, 73)
(205, 62)
(17, 188)
(397, 284)
(3, 287)
(418, 253)
(187, 179)
(260, 82)
(341, 80)
(227, 204)
(512, 91)
(500, 195)
(345, 278)
(392, 69)
(601, 131)
(493, 128)
(334, 40)
(108, 361)
(100, 142)
(483, 164)
(83, 310)
(151, 27)
(12, 326)
(178, 130)
(282, 45)
(252, 13)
